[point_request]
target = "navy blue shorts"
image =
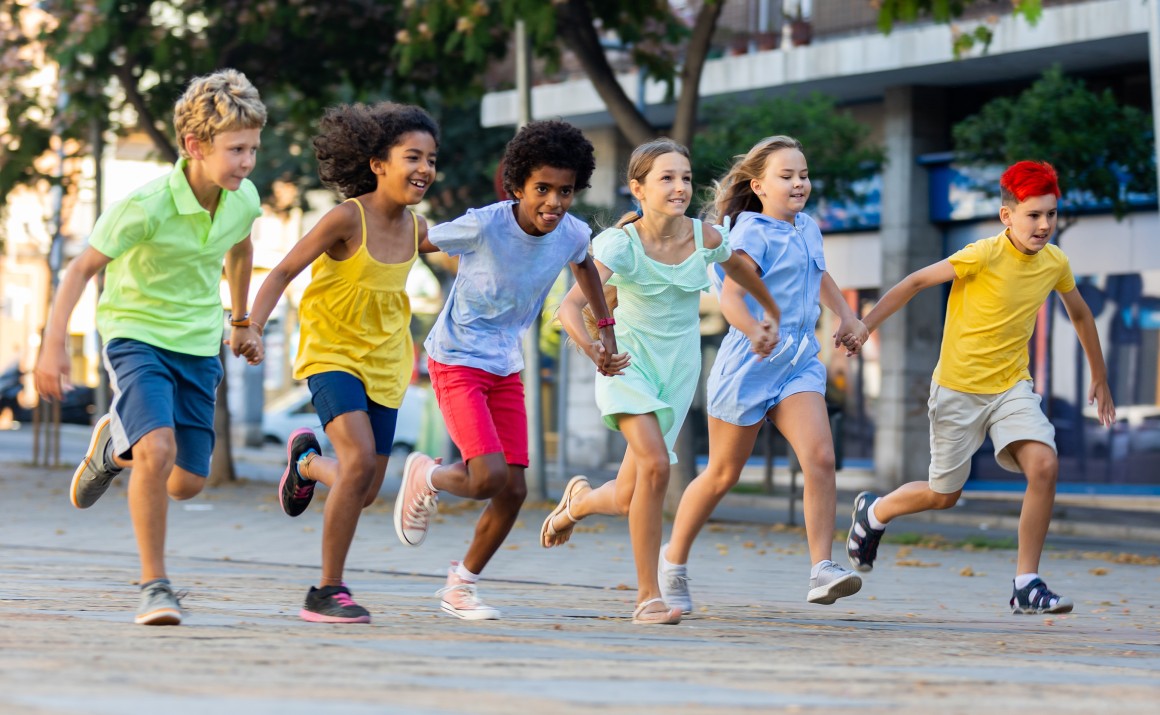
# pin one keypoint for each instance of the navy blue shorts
(154, 388)
(336, 393)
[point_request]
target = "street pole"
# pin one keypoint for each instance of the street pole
(1154, 61)
(533, 397)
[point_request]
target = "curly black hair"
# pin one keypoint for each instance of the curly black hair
(350, 135)
(552, 143)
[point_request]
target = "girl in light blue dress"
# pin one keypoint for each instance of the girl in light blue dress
(764, 195)
(658, 262)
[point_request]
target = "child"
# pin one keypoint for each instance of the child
(355, 350)
(657, 259)
(764, 195)
(510, 253)
(982, 385)
(160, 317)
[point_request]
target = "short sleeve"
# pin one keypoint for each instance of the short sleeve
(459, 236)
(253, 203)
(759, 241)
(969, 260)
(613, 248)
(582, 236)
(1066, 282)
(120, 228)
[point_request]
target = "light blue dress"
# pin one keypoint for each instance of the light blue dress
(658, 325)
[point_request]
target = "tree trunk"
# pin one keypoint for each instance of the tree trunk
(145, 118)
(221, 466)
(685, 121)
(578, 33)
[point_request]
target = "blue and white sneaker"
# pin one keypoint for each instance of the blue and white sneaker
(862, 541)
(1036, 597)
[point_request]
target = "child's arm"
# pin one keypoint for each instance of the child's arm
(53, 367)
(851, 332)
(239, 266)
(339, 224)
(906, 289)
(572, 317)
(741, 276)
(425, 245)
(1089, 338)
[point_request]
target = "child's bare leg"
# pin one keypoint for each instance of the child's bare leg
(645, 513)
(609, 499)
(481, 477)
(730, 446)
(152, 464)
(359, 468)
(497, 520)
(803, 421)
(911, 498)
(1039, 462)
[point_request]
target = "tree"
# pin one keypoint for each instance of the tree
(1100, 148)
(836, 144)
(947, 12)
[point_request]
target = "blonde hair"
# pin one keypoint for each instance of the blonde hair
(639, 165)
(734, 193)
(224, 101)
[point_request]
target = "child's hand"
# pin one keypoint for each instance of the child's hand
(247, 342)
(1102, 396)
(851, 334)
(53, 373)
(607, 363)
(764, 337)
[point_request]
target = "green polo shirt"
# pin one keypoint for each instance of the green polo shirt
(163, 284)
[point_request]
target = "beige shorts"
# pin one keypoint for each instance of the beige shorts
(960, 421)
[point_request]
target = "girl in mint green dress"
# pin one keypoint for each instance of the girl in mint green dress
(658, 261)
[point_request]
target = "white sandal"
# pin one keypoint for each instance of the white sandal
(549, 535)
(670, 617)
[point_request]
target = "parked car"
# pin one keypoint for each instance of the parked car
(76, 406)
(294, 409)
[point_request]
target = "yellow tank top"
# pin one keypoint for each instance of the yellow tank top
(355, 317)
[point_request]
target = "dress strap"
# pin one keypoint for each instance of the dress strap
(362, 214)
(698, 237)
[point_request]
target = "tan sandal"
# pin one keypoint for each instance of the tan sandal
(667, 617)
(549, 535)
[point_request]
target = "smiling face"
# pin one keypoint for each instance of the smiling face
(667, 187)
(544, 199)
(228, 158)
(409, 168)
(1030, 223)
(784, 186)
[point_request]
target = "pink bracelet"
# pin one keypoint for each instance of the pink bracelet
(605, 322)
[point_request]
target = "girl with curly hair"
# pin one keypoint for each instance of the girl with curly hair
(510, 254)
(355, 350)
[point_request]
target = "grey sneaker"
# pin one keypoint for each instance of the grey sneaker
(94, 474)
(674, 587)
(159, 605)
(833, 582)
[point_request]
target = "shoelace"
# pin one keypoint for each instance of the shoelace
(304, 491)
(420, 509)
(177, 595)
(677, 581)
(343, 598)
(467, 594)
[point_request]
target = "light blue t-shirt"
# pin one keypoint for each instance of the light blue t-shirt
(504, 276)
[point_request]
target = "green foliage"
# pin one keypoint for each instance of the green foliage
(891, 12)
(1087, 136)
(836, 145)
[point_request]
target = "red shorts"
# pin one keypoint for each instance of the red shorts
(485, 413)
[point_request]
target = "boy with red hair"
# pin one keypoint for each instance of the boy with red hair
(982, 383)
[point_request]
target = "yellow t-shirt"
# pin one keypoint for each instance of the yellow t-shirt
(994, 299)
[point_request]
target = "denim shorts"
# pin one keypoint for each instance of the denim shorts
(337, 393)
(155, 388)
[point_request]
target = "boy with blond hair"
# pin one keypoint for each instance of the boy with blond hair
(160, 317)
(982, 384)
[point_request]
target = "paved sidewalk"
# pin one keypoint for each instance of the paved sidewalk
(930, 631)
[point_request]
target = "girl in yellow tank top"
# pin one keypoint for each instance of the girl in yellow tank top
(355, 348)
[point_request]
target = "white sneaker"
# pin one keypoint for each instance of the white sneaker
(674, 586)
(833, 582)
(461, 600)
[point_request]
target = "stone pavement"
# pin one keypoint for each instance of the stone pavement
(930, 630)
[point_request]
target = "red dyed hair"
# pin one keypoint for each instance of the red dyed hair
(1026, 179)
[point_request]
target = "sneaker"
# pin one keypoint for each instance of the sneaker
(159, 605)
(416, 502)
(94, 474)
(833, 582)
(674, 586)
(1036, 597)
(332, 604)
(295, 491)
(862, 541)
(460, 599)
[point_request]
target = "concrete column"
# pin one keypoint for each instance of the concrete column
(914, 124)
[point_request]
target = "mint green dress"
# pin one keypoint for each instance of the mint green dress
(658, 325)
